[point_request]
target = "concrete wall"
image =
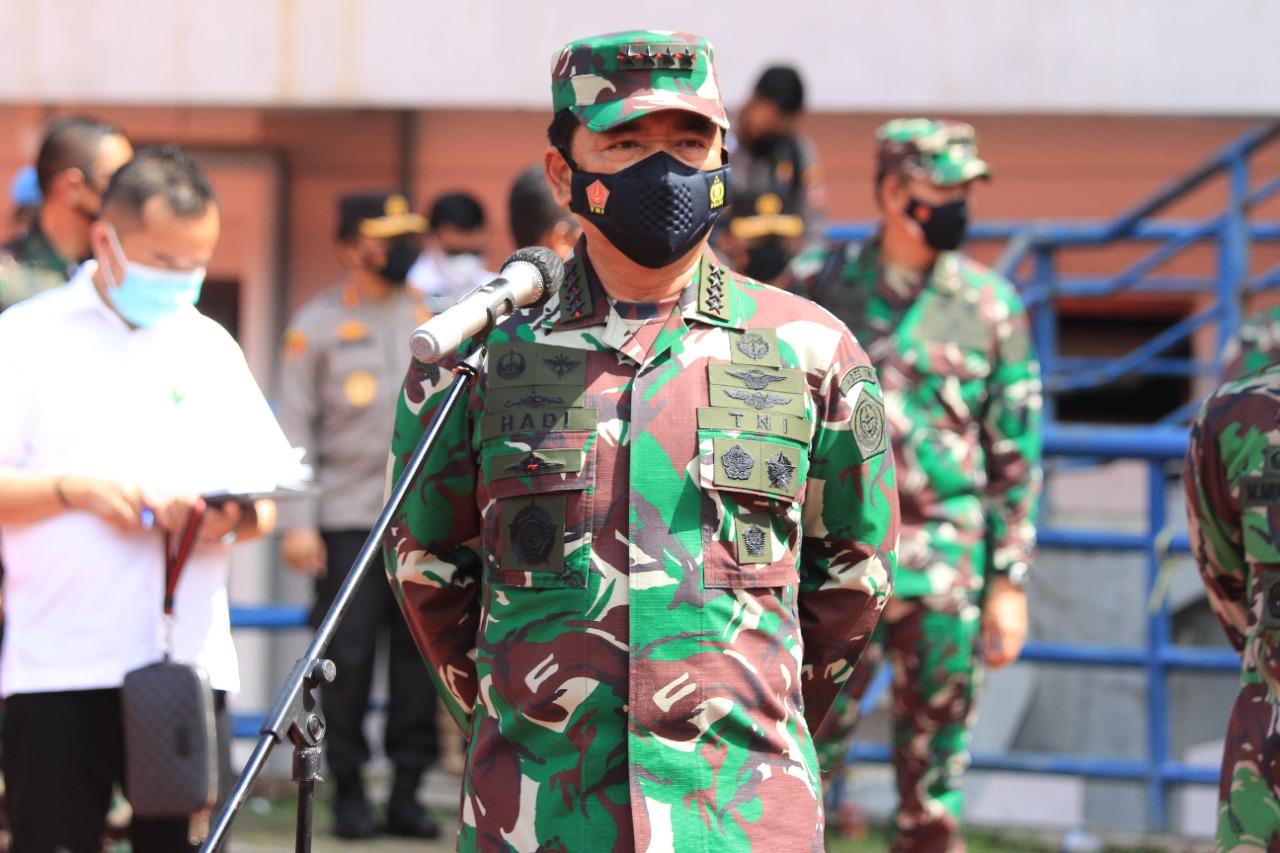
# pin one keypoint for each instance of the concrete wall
(1184, 57)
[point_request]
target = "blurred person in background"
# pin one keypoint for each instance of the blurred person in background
(76, 161)
(452, 262)
(951, 343)
(344, 355)
(536, 219)
(777, 180)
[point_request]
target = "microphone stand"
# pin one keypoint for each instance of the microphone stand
(295, 716)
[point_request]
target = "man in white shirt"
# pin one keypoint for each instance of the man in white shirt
(122, 405)
(452, 264)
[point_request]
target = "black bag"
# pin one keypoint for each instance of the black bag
(170, 740)
(170, 733)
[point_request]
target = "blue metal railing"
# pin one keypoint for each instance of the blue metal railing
(1157, 446)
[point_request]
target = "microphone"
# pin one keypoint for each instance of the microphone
(528, 278)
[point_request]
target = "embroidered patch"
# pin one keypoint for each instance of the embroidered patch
(511, 365)
(753, 535)
(756, 378)
(758, 399)
(535, 400)
(754, 345)
(737, 463)
(868, 425)
(780, 469)
(535, 464)
(533, 533)
(854, 375)
(1260, 490)
(561, 365)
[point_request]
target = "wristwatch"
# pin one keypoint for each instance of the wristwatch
(1019, 574)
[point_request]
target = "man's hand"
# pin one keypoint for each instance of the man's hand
(125, 506)
(219, 520)
(1004, 622)
(303, 549)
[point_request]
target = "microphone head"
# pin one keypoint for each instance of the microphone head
(548, 264)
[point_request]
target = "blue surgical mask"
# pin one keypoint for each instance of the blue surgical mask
(149, 295)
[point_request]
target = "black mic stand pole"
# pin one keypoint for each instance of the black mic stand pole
(295, 715)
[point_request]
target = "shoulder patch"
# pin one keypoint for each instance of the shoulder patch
(868, 425)
(856, 374)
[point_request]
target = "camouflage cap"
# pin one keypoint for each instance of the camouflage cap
(936, 150)
(611, 79)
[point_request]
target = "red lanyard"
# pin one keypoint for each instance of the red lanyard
(175, 560)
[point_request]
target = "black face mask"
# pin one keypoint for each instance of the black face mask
(944, 225)
(763, 146)
(400, 257)
(655, 211)
(766, 261)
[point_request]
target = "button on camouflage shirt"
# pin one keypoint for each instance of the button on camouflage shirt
(963, 400)
(642, 561)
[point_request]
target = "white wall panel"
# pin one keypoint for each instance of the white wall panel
(1189, 57)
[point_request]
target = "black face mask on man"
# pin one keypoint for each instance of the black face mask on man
(400, 257)
(944, 225)
(766, 259)
(654, 211)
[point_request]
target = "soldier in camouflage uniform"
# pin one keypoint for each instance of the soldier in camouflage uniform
(950, 340)
(1256, 344)
(651, 547)
(1232, 479)
(77, 158)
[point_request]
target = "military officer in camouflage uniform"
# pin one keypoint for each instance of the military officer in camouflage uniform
(343, 361)
(950, 341)
(1232, 479)
(650, 548)
(77, 158)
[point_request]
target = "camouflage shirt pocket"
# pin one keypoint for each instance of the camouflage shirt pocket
(752, 488)
(538, 492)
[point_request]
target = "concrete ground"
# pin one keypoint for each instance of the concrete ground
(267, 824)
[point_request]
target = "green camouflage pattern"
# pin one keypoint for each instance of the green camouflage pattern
(30, 265)
(1256, 345)
(608, 80)
(642, 562)
(1232, 481)
(963, 405)
(936, 150)
(937, 674)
